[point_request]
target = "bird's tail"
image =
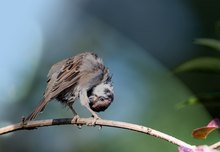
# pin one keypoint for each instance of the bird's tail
(40, 107)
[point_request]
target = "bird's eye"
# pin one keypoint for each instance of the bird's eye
(101, 98)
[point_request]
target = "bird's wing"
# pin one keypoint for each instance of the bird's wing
(55, 68)
(71, 74)
(62, 75)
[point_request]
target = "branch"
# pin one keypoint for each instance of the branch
(216, 145)
(100, 122)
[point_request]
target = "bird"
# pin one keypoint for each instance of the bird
(81, 77)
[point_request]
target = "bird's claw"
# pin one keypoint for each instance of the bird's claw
(93, 122)
(75, 118)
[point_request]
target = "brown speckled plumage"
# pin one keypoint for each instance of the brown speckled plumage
(75, 78)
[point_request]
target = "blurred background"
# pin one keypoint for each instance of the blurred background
(140, 41)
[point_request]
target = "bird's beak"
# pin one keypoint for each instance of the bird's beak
(92, 100)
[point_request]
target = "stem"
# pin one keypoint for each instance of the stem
(100, 122)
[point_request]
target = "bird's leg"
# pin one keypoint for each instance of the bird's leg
(85, 102)
(76, 116)
(92, 112)
(95, 116)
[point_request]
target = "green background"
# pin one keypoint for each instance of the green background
(140, 41)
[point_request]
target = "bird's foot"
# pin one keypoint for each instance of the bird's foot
(93, 122)
(23, 122)
(75, 118)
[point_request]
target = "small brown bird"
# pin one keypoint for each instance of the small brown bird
(83, 77)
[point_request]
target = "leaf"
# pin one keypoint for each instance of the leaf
(207, 99)
(203, 64)
(212, 43)
(193, 100)
(203, 132)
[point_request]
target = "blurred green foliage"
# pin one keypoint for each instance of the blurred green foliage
(202, 64)
(205, 65)
(140, 41)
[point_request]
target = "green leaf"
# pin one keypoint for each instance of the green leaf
(203, 64)
(193, 100)
(212, 43)
(207, 99)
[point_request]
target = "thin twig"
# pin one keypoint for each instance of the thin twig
(100, 122)
(216, 145)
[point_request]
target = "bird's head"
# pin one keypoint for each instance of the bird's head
(101, 97)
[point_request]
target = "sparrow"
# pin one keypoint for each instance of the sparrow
(82, 77)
